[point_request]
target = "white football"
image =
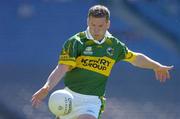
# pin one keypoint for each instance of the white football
(60, 102)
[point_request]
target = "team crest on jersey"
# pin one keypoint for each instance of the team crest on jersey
(88, 51)
(110, 51)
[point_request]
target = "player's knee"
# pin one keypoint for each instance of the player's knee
(86, 116)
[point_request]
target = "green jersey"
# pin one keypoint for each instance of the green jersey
(91, 62)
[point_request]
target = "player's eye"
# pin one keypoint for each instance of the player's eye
(93, 25)
(100, 26)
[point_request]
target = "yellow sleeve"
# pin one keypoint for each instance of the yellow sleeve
(67, 60)
(68, 53)
(130, 56)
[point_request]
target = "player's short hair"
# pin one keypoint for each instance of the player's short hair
(99, 11)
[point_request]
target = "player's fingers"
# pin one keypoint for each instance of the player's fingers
(168, 75)
(169, 67)
(36, 103)
(160, 77)
(33, 101)
(164, 77)
(34, 98)
(38, 96)
(156, 74)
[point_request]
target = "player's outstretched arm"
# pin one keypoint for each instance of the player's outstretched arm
(52, 81)
(161, 71)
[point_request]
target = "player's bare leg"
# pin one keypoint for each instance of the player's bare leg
(86, 116)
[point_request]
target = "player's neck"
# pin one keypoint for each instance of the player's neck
(99, 39)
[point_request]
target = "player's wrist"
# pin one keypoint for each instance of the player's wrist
(45, 89)
(157, 67)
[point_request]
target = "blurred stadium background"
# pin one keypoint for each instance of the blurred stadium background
(31, 36)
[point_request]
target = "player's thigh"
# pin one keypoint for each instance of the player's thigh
(86, 116)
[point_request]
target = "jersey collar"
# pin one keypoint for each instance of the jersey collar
(89, 36)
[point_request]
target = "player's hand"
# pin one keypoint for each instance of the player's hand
(39, 96)
(162, 73)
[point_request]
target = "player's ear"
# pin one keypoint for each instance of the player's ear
(88, 21)
(108, 24)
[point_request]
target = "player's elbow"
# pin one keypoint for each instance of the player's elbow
(62, 67)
